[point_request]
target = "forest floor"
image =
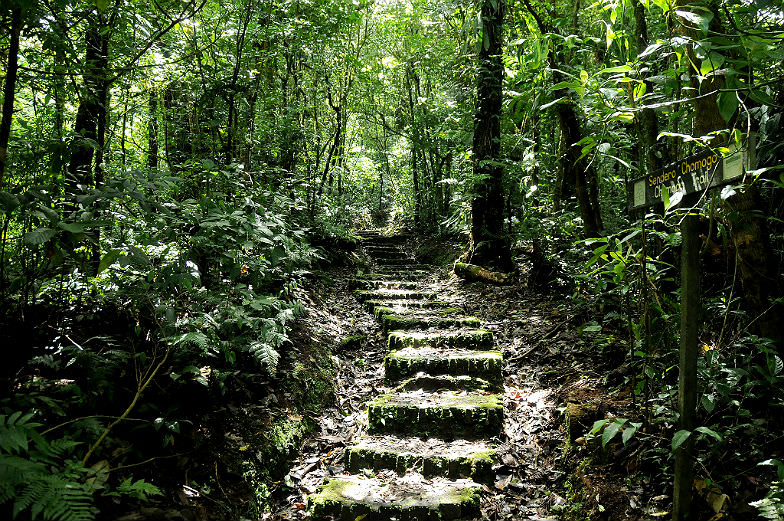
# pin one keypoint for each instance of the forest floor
(541, 473)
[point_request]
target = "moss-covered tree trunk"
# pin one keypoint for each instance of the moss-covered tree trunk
(9, 89)
(152, 129)
(489, 243)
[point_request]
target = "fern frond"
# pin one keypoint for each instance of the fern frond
(57, 498)
(266, 356)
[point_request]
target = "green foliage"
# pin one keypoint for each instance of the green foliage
(772, 505)
(612, 427)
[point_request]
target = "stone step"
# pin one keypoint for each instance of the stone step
(400, 498)
(450, 414)
(401, 275)
(382, 284)
(409, 361)
(437, 383)
(479, 339)
(392, 294)
(415, 312)
(386, 254)
(390, 261)
(432, 457)
(401, 304)
(407, 322)
(385, 240)
(401, 269)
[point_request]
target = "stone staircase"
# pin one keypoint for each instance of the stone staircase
(429, 441)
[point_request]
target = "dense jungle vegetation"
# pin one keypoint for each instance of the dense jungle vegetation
(174, 173)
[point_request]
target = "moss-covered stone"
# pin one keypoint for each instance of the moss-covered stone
(431, 383)
(391, 294)
(432, 457)
(394, 261)
(384, 254)
(407, 362)
(404, 322)
(403, 304)
(395, 274)
(363, 283)
(469, 339)
(447, 414)
(352, 342)
(369, 499)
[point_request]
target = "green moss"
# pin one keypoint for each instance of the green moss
(476, 339)
(446, 414)
(400, 364)
(398, 322)
(352, 342)
(477, 466)
(353, 498)
(390, 294)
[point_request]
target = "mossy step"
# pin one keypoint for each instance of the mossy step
(385, 240)
(391, 294)
(406, 362)
(437, 383)
(432, 457)
(451, 414)
(382, 284)
(403, 275)
(390, 261)
(405, 322)
(380, 249)
(416, 312)
(386, 253)
(479, 339)
(403, 498)
(408, 304)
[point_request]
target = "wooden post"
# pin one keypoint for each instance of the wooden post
(687, 379)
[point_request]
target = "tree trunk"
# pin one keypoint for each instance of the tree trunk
(650, 150)
(489, 243)
(579, 169)
(748, 224)
(10, 88)
(152, 129)
(91, 109)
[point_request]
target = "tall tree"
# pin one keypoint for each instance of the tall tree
(489, 243)
(9, 90)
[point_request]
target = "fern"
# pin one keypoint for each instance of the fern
(58, 497)
(266, 356)
(138, 489)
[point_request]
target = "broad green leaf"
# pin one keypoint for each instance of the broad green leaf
(665, 197)
(71, 227)
(611, 430)
(619, 68)
(728, 104)
(652, 48)
(548, 105)
(711, 63)
(709, 432)
(109, 259)
(630, 431)
(680, 437)
(702, 20)
(8, 202)
(761, 97)
(39, 236)
(597, 426)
